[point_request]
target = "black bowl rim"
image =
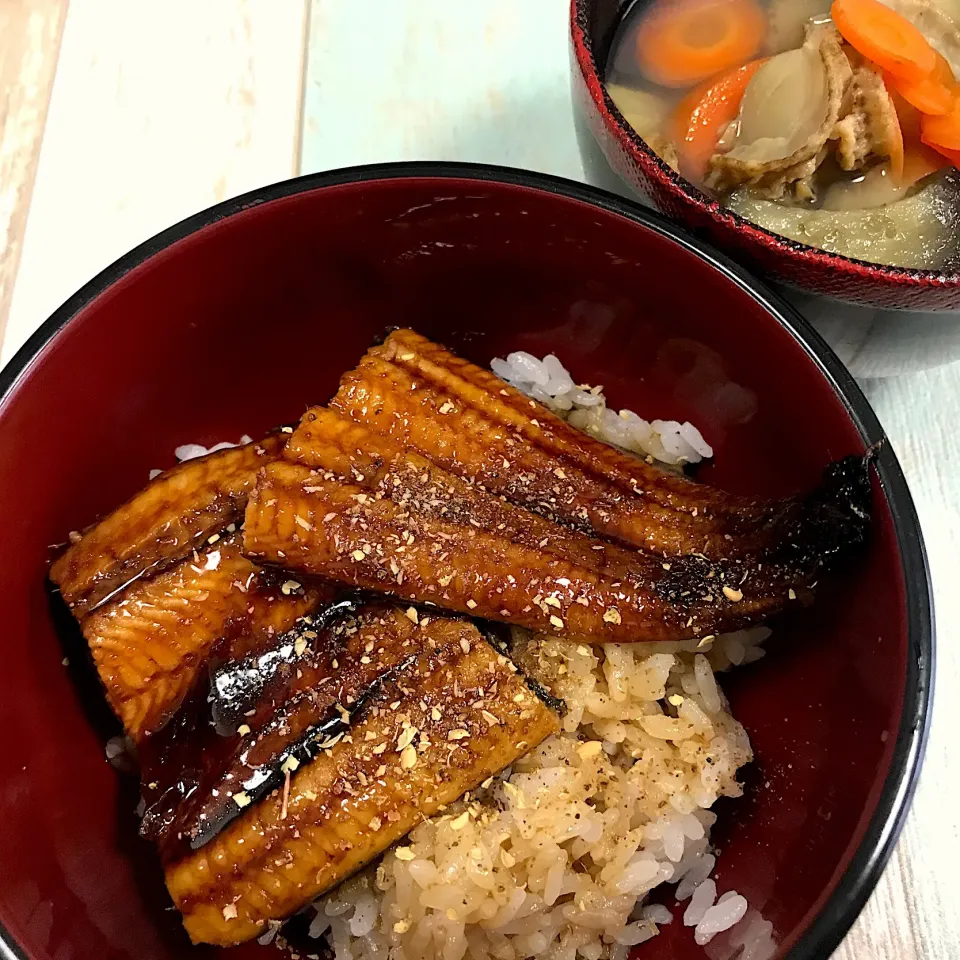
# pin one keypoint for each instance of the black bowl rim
(835, 918)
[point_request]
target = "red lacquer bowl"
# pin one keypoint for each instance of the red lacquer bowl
(616, 158)
(243, 316)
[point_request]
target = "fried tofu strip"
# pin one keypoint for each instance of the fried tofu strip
(418, 743)
(150, 643)
(172, 516)
(471, 423)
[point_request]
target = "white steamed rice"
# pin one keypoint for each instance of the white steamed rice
(557, 859)
(557, 856)
(548, 381)
(190, 451)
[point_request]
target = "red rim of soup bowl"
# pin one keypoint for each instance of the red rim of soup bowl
(778, 258)
(854, 869)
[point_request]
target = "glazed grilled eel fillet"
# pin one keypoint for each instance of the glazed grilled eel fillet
(174, 514)
(356, 508)
(158, 583)
(150, 643)
(443, 712)
(471, 423)
(257, 711)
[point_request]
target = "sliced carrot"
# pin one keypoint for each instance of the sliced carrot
(894, 147)
(882, 35)
(942, 132)
(932, 95)
(920, 161)
(701, 116)
(929, 96)
(908, 116)
(943, 70)
(952, 155)
(681, 42)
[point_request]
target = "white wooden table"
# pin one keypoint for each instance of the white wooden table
(157, 110)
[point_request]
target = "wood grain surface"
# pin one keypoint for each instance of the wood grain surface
(29, 43)
(480, 80)
(157, 110)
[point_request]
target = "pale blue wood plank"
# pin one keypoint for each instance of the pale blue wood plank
(439, 80)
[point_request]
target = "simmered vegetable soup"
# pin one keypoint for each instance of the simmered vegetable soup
(834, 124)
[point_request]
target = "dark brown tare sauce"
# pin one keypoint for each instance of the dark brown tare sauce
(252, 721)
(236, 684)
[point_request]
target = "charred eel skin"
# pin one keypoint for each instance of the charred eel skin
(449, 716)
(306, 686)
(168, 519)
(356, 508)
(471, 423)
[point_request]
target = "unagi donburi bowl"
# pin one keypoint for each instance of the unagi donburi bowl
(240, 317)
